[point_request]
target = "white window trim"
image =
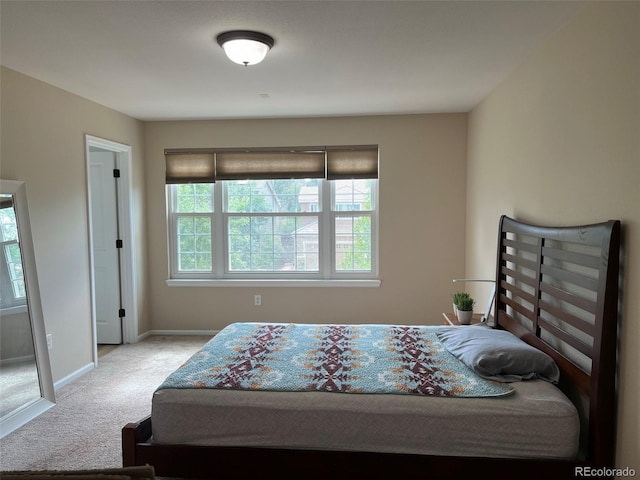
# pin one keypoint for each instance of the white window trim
(327, 277)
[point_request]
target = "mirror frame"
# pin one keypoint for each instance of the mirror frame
(20, 416)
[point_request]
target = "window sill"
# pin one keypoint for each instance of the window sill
(373, 283)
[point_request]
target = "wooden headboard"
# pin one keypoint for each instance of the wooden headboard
(557, 289)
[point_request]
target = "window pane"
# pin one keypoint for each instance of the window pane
(195, 198)
(352, 195)
(186, 225)
(353, 243)
(202, 225)
(273, 243)
(14, 266)
(203, 261)
(19, 289)
(272, 196)
(187, 243)
(11, 254)
(186, 262)
(203, 243)
(194, 244)
(8, 226)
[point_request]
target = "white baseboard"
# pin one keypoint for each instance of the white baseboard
(73, 376)
(24, 359)
(177, 332)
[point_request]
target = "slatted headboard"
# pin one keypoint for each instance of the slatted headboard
(557, 289)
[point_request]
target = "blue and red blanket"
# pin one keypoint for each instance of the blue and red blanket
(390, 359)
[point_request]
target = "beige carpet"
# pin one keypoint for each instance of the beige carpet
(18, 385)
(83, 429)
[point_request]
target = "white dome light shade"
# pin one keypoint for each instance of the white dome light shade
(245, 47)
(245, 52)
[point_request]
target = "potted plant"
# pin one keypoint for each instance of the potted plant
(465, 309)
(456, 299)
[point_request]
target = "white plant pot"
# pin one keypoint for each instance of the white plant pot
(464, 317)
(455, 310)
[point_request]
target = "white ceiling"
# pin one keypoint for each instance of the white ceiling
(158, 60)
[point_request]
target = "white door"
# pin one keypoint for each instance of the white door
(104, 218)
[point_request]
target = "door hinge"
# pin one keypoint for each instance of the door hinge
(116, 173)
(118, 243)
(121, 313)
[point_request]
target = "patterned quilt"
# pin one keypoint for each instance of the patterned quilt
(389, 359)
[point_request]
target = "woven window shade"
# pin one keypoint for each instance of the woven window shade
(256, 165)
(6, 201)
(208, 166)
(190, 167)
(352, 163)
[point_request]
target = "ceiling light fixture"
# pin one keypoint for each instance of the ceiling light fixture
(245, 47)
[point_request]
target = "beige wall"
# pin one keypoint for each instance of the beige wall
(559, 143)
(42, 131)
(422, 198)
(15, 334)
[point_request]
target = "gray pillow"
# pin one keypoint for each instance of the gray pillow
(498, 354)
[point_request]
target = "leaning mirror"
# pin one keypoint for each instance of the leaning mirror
(26, 384)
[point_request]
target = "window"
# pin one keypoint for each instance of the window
(12, 287)
(273, 228)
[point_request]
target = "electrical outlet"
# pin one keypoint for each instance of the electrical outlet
(257, 300)
(49, 341)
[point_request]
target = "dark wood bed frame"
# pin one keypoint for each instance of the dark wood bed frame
(557, 289)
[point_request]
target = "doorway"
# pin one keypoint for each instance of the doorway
(114, 308)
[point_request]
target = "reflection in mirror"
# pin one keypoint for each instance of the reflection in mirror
(18, 373)
(26, 387)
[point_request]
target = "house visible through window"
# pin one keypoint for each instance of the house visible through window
(264, 228)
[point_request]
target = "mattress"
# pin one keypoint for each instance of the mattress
(536, 421)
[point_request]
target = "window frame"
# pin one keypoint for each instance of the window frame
(9, 296)
(327, 274)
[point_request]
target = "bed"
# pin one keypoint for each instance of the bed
(557, 296)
